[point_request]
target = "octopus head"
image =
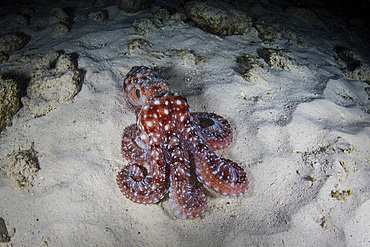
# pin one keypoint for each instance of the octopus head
(141, 84)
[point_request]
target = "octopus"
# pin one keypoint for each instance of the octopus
(171, 150)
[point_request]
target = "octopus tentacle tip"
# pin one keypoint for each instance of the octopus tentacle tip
(165, 139)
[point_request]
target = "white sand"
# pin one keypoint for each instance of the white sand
(299, 139)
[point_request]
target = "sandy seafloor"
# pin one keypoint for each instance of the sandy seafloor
(302, 134)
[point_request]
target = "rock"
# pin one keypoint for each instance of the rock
(61, 28)
(219, 18)
(186, 58)
(22, 166)
(367, 90)
(278, 59)
(133, 6)
(138, 45)
(61, 20)
(267, 32)
(9, 101)
(10, 43)
(59, 15)
(54, 79)
(251, 69)
(352, 66)
(147, 25)
(4, 235)
(3, 57)
(100, 15)
(14, 22)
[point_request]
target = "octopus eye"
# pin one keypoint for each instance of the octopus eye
(137, 92)
(205, 122)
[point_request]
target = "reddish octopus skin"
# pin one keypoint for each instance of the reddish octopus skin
(167, 140)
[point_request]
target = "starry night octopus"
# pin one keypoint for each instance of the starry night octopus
(170, 147)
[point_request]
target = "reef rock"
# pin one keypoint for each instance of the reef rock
(99, 15)
(352, 66)
(9, 101)
(61, 20)
(218, 18)
(251, 69)
(54, 79)
(22, 167)
(278, 59)
(4, 235)
(10, 43)
(133, 6)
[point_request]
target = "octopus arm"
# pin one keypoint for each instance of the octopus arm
(215, 128)
(218, 174)
(186, 200)
(131, 147)
(222, 176)
(145, 186)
